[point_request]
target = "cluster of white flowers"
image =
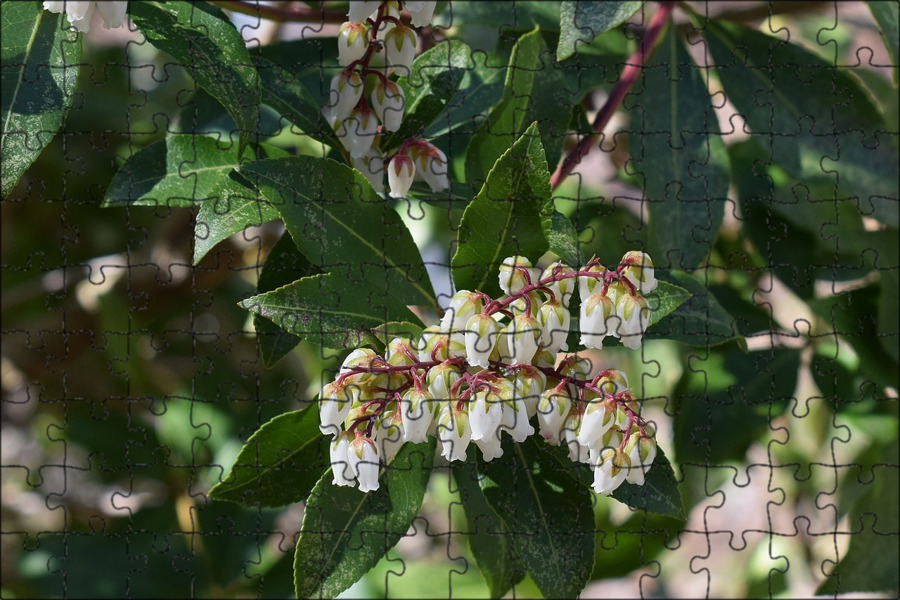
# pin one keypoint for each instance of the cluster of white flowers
(491, 366)
(364, 102)
(80, 13)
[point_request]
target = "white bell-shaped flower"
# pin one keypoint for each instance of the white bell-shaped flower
(388, 434)
(340, 461)
(577, 452)
(400, 175)
(590, 285)
(357, 359)
(346, 90)
(454, 432)
(563, 289)
(400, 48)
(363, 458)
(490, 448)
(372, 167)
(417, 413)
(555, 320)
(352, 43)
(482, 332)
(440, 380)
(358, 131)
(512, 277)
(608, 471)
(634, 315)
(596, 321)
(599, 417)
(640, 457)
(522, 335)
(552, 411)
(388, 102)
(420, 13)
(80, 13)
(360, 11)
(431, 166)
(335, 401)
(528, 385)
(463, 305)
(485, 414)
(639, 271)
(515, 420)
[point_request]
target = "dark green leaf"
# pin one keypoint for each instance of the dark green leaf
(40, 60)
(503, 16)
(402, 329)
(819, 124)
(700, 320)
(233, 207)
(534, 91)
(480, 88)
(887, 15)
(562, 239)
(434, 79)
(870, 564)
(285, 93)
(279, 464)
(340, 223)
(505, 218)
(675, 145)
(202, 39)
(665, 299)
(725, 403)
(580, 22)
(346, 532)
(490, 540)
(284, 264)
(324, 310)
(180, 170)
(549, 514)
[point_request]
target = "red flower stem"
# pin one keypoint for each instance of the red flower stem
(607, 277)
(626, 80)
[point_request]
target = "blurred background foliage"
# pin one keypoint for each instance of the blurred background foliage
(130, 378)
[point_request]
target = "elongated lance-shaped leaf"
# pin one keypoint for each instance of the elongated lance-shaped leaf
(562, 239)
(698, 319)
(676, 148)
(581, 22)
(325, 310)
(279, 464)
(506, 218)
(180, 170)
(533, 91)
(548, 513)
(202, 39)
(887, 15)
(815, 120)
(40, 57)
(345, 532)
(343, 227)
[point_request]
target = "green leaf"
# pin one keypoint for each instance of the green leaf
(285, 93)
(279, 464)
(340, 223)
(233, 206)
(505, 218)
(699, 320)
(324, 310)
(284, 264)
(549, 514)
(434, 79)
(40, 61)
(818, 123)
(725, 403)
(870, 564)
(402, 329)
(490, 540)
(479, 89)
(562, 239)
(581, 22)
(523, 16)
(887, 15)
(345, 532)
(665, 299)
(534, 91)
(675, 145)
(202, 39)
(180, 170)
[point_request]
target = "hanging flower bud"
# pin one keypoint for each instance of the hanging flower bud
(641, 452)
(633, 314)
(420, 13)
(434, 342)
(608, 471)
(482, 332)
(417, 414)
(359, 358)
(562, 289)
(454, 432)
(512, 278)
(599, 417)
(372, 166)
(388, 434)
(358, 131)
(340, 462)
(400, 175)
(520, 305)
(391, 16)
(515, 420)
(346, 90)
(639, 271)
(431, 166)
(522, 336)
(388, 102)
(363, 457)
(440, 379)
(79, 14)
(351, 43)
(543, 358)
(463, 305)
(577, 452)
(596, 320)
(613, 382)
(485, 414)
(555, 320)
(335, 401)
(528, 385)
(400, 47)
(589, 285)
(553, 410)
(577, 367)
(360, 11)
